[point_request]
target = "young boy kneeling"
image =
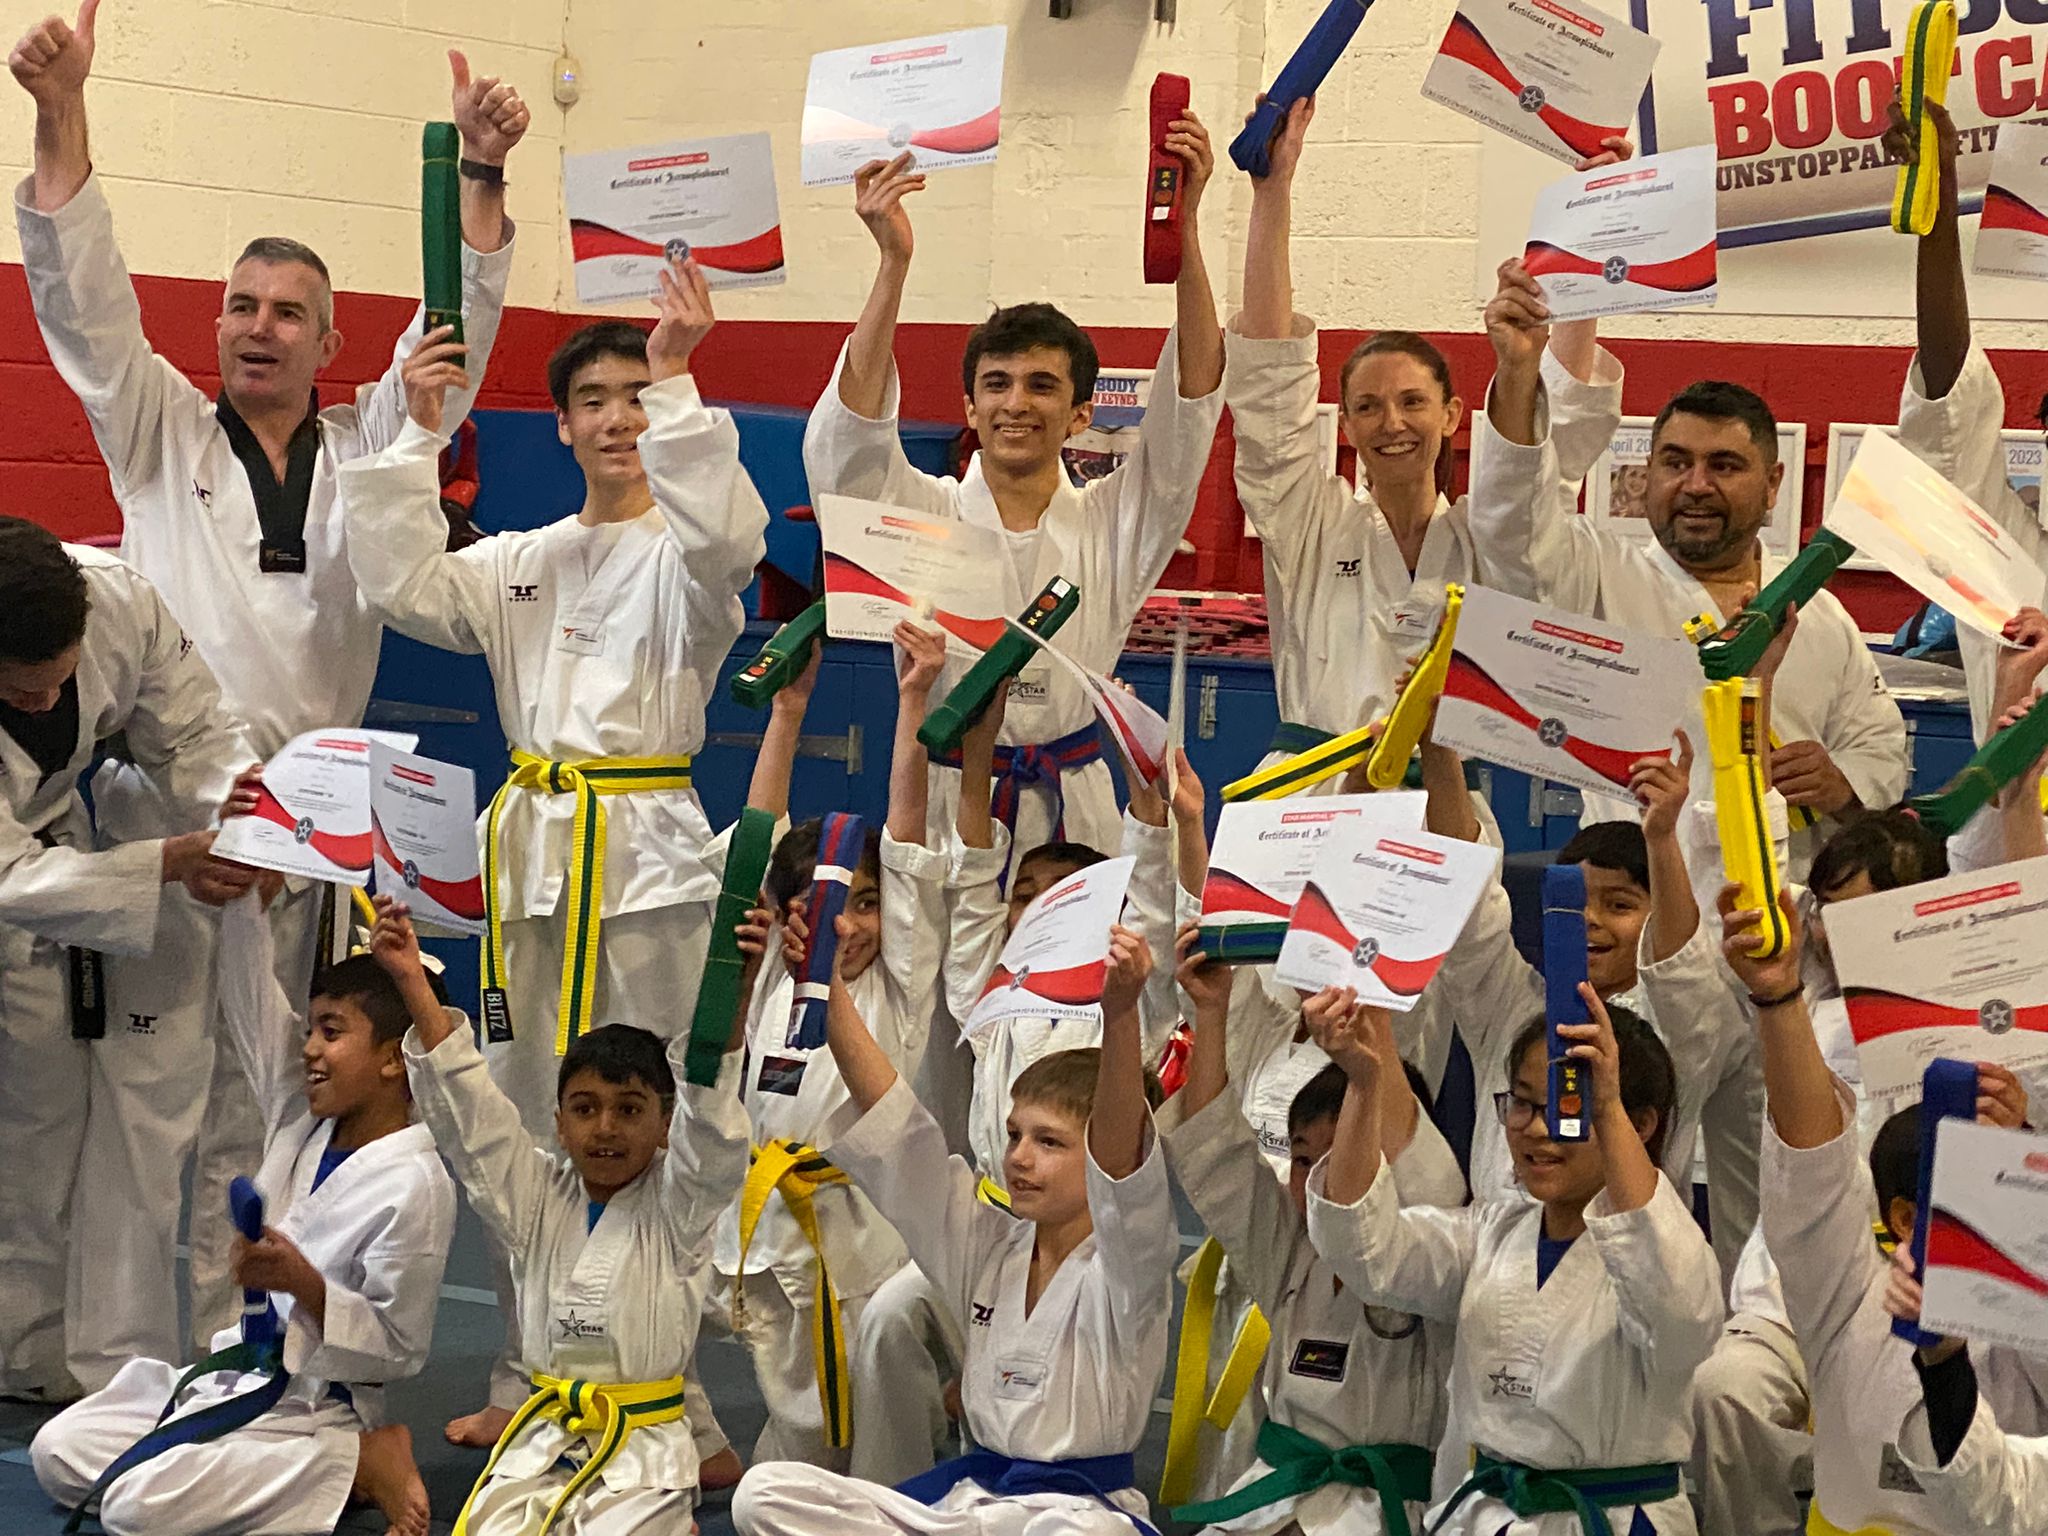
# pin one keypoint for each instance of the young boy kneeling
(1063, 1302)
(359, 1216)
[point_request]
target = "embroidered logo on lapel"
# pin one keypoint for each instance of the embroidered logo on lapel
(1507, 1384)
(574, 1325)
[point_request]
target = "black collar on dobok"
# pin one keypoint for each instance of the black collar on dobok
(280, 505)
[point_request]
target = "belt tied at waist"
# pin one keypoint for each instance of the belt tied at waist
(1397, 1473)
(798, 1172)
(1095, 1477)
(603, 1414)
(1588, 1492)
(590, 781)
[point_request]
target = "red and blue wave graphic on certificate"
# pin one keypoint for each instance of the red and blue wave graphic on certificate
(463, 898)
(1694, 272)
(1953, 1243)
(1469, 681)
(1076, 986)
(1875, 1013)
(1315, 914)
(753, 257)
(976, 136)
(1229, 896)
(343, 850)
(2005, 209)
(843, 576)
(1465, 43)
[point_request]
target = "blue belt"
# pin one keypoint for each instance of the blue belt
(1095, 1477)
(1291, 737)
(1018, 768)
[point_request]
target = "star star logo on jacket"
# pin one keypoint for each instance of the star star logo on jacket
(1507, 1384)
(574, 1325)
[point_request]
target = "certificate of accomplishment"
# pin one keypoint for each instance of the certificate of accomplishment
(1987, 1235)
(1565, 697)
(939, 97)
(1379, 913)
(2012, 238)
(1139, 733)
(1931, 536)
(631, 210)
(423, 837)
(313, 815)
(1557, 77)
(1953, 967)
(1057, 958)
(1266, 849)
(884, 565)
(1627, 238)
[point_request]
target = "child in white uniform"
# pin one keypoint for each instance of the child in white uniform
(1582, 1312)
(1063, 1303)
(359, 1214)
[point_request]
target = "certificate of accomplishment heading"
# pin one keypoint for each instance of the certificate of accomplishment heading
(939, 97)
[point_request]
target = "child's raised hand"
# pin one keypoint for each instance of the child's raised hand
(921, 658)
(393, 943)
(1190, 800)
(1130, 967)
(2001, 1097)
(796, 935)
(1206, 981)
(794, 697)
(1902, 1287)
(1594, 1044)
(1341, 1026)
(1739, 929)
(978, 741)
(1662, 786)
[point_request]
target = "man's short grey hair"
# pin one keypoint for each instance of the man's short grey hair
(277, 249)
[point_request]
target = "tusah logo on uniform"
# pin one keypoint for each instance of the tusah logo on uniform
(1321, 1359)
(1349, 567)
(142, 1023)
(984, 1316)
(522, 592)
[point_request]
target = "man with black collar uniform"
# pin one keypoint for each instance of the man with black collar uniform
(228, 507)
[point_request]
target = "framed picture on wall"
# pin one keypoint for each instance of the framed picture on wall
(2023, 466)
(1617, 486)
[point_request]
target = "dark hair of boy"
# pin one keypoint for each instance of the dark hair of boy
(1065, 1081)
(43, 598)
(620, 1054)
(607, 338)
(1322, 1097)
(1893, 847)
(1648, 1078)
(1022, 328)
(1615, 845)
(795, 860)
(361, 980)
(1067, 858)
(1895, 1160)
(1719, 401)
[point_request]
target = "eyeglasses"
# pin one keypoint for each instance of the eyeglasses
(1515, 1112)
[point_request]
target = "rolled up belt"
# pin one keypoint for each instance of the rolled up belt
(602, 1413)
(590, 781)
(1588, 1492)
(798, 1172)
(1397, 1473)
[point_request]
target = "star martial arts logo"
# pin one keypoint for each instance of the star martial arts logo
(1367, 951)
(1996, 1016)
(1615, 269)
(676, 250)
(302, 831)
(576, 1326)
(1530, 98)
(1552, 732)
(1507, 1384)
(410, 874)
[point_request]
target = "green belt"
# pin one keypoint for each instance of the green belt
(1291, 737)
(1301, 1465)
(1587, 1492)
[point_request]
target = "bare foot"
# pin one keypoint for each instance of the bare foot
(388, 1477)
(480, 1429)
(717, 1473)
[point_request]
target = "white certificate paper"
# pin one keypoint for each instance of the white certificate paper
(1954, 967)
(1561, 696)
(1265, 850)
(423, 837)
(1380, 912)
(631, 210)
(1136, 727)
(313, 816)
(939, 97)
(1987, 1235)
(2012, 237)
(1054, 965)
(884, 565)
(1900, 513)
(1557, 77)
(1627, 238)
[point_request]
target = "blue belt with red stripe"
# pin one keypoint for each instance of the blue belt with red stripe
(1019, 768)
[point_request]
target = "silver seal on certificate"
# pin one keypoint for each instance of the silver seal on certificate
(1995, 1015)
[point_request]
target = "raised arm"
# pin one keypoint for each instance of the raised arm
(1800, 1091)
(921, 657)
(976, 915)
(1199, 332)
(1663, 788)
(1941, 295)
(1117, 1129)
(1268, 313)
(396, 948)
(879, 189)
(863, 1065)
(768, 789)
(1207, 984)
(52, 62)
(706, 1158)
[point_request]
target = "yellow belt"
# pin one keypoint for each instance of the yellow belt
(1304, 770)
(799, 1172)
(600, 1413)
(989, 1192)
(1818, 1524)
(1923, 81)
(1797, 817)
(1193, 1402)
(590, 782)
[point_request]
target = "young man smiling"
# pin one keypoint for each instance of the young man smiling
(1027, 381)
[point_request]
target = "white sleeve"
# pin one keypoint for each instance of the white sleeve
(692, 455)
(478, 1130)
(1414, 1259)
(380, 406)
(1426, 1170)
(261, 1024)
(1525, 538)
(1150, 905)
(1693, 1004)
(1489, 988)
(92, 324)
(1229, 1183)
(1272, 386)
(1817, 1207)
(398, 547)
(179, 733)
(977, 921)
(1584, 416)
(850, 455)
(913, 911)
(104, 901)
(380, 1330)
(1994, 1482)
(1667, 1286)
(1863, 732)
(706, 1160)
(1135, 1235)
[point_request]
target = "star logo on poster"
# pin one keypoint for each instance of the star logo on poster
(410, 874)
(1367, 951)
(1615, 269)
(1530, 98)
(302, 830)
(1996, 1016)
(1018, 979)
(1552, 732)
(676, 250)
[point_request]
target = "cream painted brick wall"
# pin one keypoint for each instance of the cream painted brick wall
(214, 121)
